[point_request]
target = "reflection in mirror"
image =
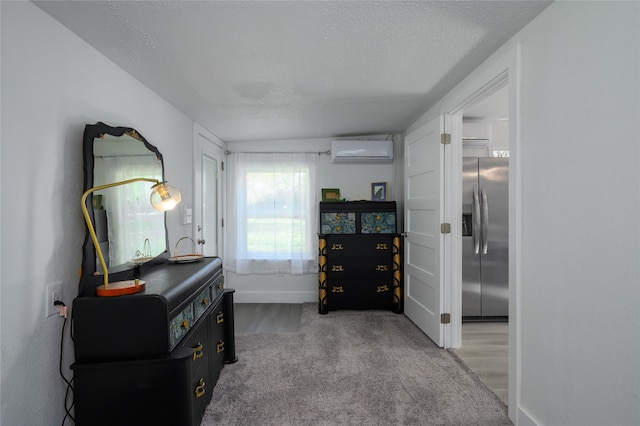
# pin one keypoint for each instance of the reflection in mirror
(130, 231)
(135, 231)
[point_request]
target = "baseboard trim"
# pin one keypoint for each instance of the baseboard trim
(525, 419)
(275, 296)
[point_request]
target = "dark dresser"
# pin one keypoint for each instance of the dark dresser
(359, 257)
(153, 357)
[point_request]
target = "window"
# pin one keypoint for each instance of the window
(272, 206)
(132, 221)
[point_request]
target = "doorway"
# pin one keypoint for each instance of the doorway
(208, 192)
(485, 333)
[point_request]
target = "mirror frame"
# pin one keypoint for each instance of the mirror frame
(88, 279)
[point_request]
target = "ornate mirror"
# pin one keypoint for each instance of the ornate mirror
(131, 233)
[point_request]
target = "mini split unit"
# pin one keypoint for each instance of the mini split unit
(358, 151)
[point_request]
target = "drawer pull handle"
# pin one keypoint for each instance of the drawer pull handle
(381, 246)
(200, 389)
(220, 347)
(337, 289)
(220, 317)
(205, 301)
(382, 288)
(382, 268)
(337, 268)
(185, 324)
(197, 351)
(336, 246)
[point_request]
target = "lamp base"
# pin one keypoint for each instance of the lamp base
(120, 288)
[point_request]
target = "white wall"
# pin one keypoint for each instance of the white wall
(578, 162)
(581, 250)
(52, 85)
(354, 182)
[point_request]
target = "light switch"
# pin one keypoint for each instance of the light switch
(186, 216)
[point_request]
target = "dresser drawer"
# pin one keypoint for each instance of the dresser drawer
(199, 345)
(180, 325)
(219, 346)
(217, 287)
(359, 245)
(338, 223)
(378, 222)
(360, 294)
(141, 392)
(201, 386)
(374, 267)
(202, 303)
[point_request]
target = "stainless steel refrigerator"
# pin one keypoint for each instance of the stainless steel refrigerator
(485, 238)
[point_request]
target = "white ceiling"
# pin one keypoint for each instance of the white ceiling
(268, 70)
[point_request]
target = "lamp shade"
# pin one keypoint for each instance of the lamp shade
(164, 197)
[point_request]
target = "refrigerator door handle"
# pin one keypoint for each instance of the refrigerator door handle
(485, 221)
(476, 221)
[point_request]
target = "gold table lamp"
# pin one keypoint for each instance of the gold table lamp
(163, 197)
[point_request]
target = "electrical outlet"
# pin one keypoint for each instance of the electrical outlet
(53, 292)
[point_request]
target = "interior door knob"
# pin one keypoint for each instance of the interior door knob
(201, 241)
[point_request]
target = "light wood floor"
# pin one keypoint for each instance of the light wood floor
(484, 344)
(485, 351)
(267, 317)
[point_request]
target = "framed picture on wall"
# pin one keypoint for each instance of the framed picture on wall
(379, 191)
(330, 194)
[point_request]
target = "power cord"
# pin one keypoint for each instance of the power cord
(68, 404)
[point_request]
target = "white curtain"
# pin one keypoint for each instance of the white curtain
(130, 217)
(272, 205)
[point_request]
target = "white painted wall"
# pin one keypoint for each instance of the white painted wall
(354, 182)
(576, 344)
(52, 85)
(580, 202)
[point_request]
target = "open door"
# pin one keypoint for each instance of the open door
(424, 236)
(208, 202)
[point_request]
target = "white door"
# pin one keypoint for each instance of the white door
(208, 193)
(424, 242)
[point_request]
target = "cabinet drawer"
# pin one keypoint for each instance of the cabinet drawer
(180, 325)
(217, 287)
(199, 345)
(218, 343)
(202, 303)
(338, 223)
(359, 294)
(159, 391)
(374, 267)
(359, 245)
(378, 222)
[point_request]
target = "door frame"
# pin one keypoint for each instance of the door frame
(490, 87)
(506, 64)
(204, 140)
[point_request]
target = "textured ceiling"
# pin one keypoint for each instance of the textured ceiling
(267, 70)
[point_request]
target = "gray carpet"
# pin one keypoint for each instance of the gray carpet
(350, 368)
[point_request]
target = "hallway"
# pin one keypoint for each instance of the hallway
(485, 351)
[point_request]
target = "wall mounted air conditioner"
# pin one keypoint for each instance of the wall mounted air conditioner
(475, 135)
(359, 151)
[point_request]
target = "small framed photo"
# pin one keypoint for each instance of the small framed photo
(330, 194)
(379, 191)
